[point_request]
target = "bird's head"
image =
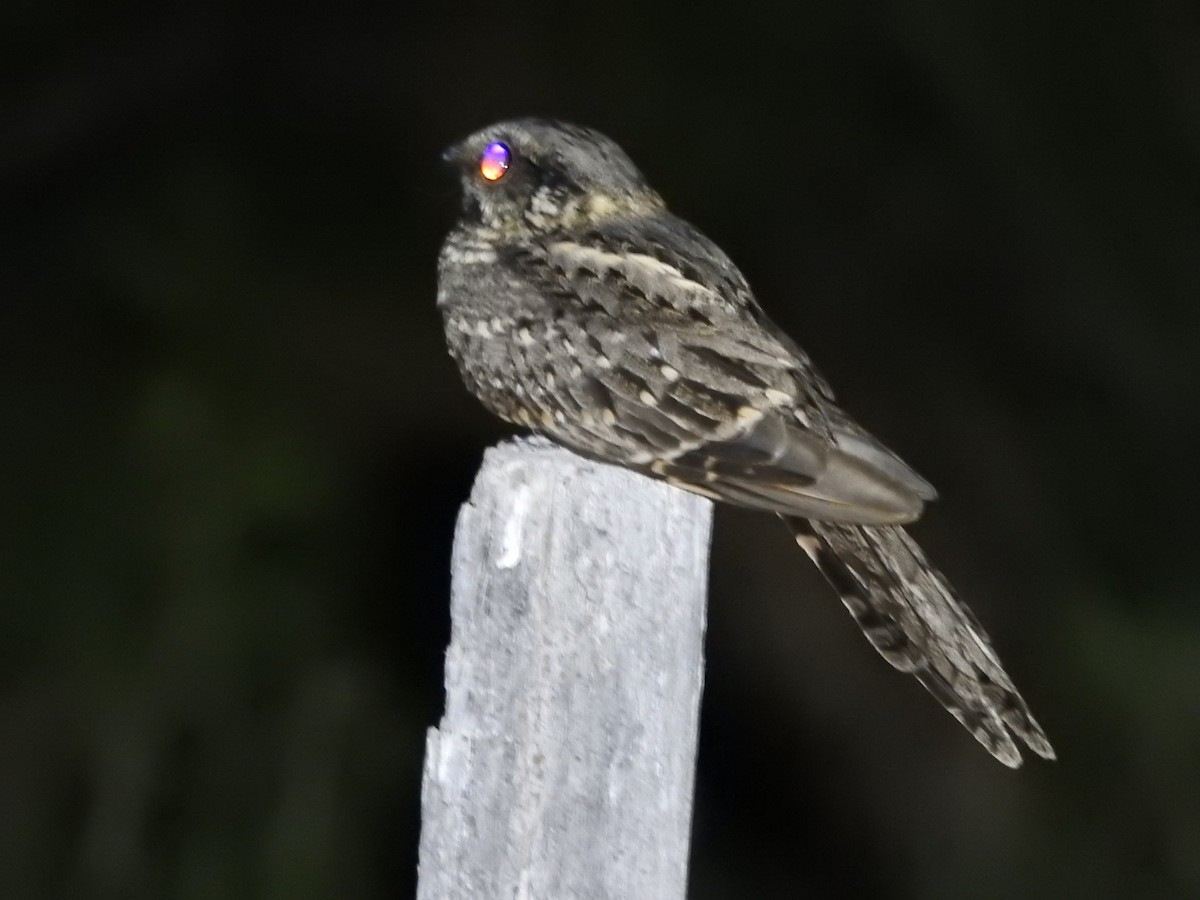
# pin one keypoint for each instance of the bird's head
(539, 175)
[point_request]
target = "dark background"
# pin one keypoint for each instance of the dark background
(233, 444)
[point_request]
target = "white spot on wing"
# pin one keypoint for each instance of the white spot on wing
(599, 205)
(811, 546)
(748, 415)
(651, 275)
(658, 267)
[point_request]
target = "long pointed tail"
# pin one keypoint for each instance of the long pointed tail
(910, 615)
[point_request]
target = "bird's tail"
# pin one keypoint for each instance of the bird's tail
(910, 615)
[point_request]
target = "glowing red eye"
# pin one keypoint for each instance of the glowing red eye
(494, 161)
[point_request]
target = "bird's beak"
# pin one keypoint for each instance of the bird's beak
(452, 155)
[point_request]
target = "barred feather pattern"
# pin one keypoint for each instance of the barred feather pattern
(576, 305)
(910, 614)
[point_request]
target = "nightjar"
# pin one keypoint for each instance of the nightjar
(577, 305)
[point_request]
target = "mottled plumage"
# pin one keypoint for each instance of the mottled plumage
(577, 305)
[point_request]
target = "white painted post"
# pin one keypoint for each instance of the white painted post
(564, 765)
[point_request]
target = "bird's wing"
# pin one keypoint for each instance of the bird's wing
(699, 387)
(723, 410)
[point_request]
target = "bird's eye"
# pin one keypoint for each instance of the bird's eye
(495, 161)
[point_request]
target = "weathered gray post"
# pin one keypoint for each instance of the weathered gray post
(563, 767)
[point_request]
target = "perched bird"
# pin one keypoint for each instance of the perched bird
(576, 304)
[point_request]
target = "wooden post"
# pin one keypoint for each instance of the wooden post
(564, 764)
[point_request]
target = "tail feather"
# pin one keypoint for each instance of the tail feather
(910, 614)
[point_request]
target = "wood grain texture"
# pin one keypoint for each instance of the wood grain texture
(564, 764)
